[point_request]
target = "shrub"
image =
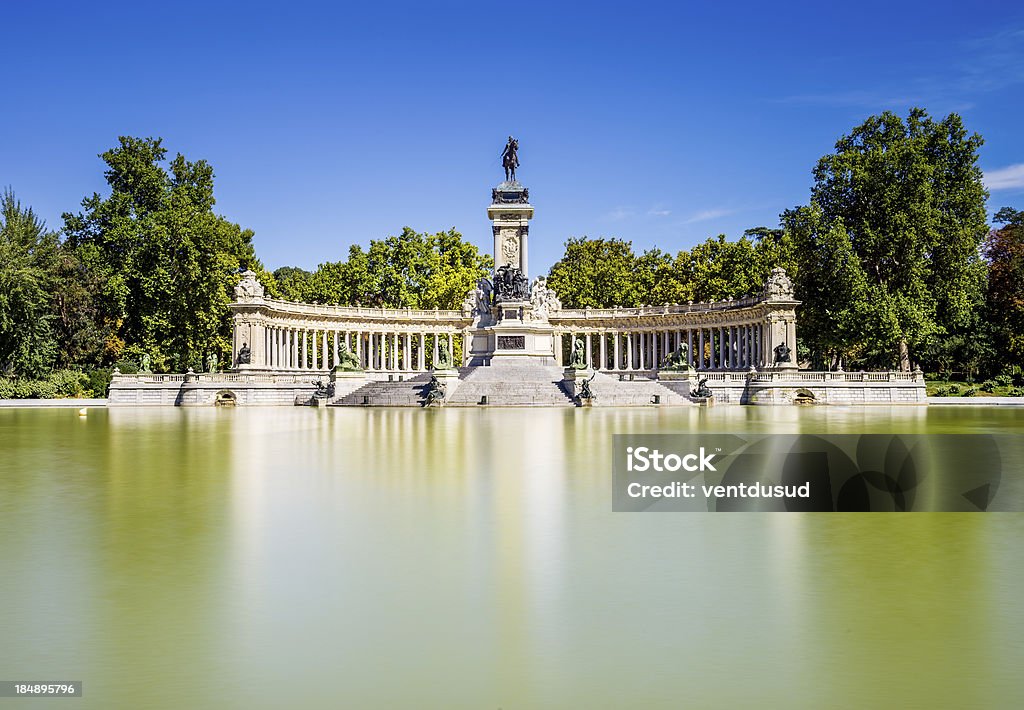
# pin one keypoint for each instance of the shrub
(127, 367)
(969, 392)
(1015, 392)
(988, 386)
(954, 390)
(99, 381)
(942, 392)
(68, 383)
(1004, 380)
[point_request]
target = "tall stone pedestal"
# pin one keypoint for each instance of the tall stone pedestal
(513, 338)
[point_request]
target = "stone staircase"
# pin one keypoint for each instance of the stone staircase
(516, 386)
(511, 386)
(407, 393)
(613, 392)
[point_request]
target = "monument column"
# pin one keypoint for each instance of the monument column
(510, 213)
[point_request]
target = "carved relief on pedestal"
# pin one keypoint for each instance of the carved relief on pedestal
(510, 248)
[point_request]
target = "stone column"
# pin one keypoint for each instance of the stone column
(604, 351)
(590, 357)
(700, 350)
(689, 346)
(615, 349)
(451, 347)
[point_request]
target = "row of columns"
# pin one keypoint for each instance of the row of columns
(718, 348)
(318, 349)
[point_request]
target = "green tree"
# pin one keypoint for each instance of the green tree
(411, 269)
(28, 253)
(293, 283)
(910, 197)
(717, 269)
(166, 261)
(77, 325)
(836, 317)
(657, 279)
(595, 273)
(1004, 250)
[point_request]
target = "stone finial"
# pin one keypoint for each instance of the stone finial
(779, 286)
(249, 288)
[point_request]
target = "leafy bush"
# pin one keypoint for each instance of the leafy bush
(953, 390)
(942, 392)
(969, 392)
(127, 367)
(988, 386)
(68, 383)
(1015, 392)
(61, 383)
(99, 381)
(19, 388)
(1004, 380)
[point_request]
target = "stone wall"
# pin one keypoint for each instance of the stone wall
(204, 390)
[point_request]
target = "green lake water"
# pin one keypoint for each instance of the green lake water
(364, 558)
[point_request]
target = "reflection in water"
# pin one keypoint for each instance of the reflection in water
(467, 558)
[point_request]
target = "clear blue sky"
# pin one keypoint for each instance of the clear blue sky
(336, 123)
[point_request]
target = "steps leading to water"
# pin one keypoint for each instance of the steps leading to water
(407, 393)
(511, 386)
(609, 391)
(528, 385)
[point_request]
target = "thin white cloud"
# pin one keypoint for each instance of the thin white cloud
(618, 214)
(1008, 178)
(657, 212)
(705, 215)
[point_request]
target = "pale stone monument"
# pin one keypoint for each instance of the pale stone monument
(510, 325)
(781, 330)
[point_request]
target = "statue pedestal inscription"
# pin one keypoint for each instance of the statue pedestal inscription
(515, 338)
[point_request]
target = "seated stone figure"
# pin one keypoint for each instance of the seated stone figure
(444, 358)
(677, 360)
(702, 391)
(347, 360)
(585, 391)
(436, 392)
(578, 361)
(782, 353)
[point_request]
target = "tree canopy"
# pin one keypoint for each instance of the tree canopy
(28, 260)
(411, 269)
(910, 198)
(166, 261)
